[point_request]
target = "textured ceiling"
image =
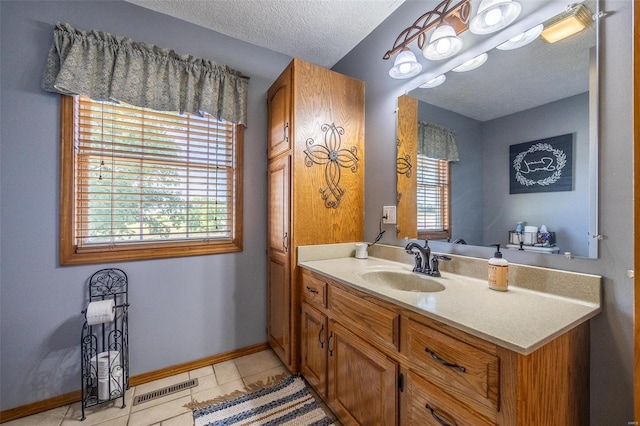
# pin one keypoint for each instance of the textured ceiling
(318, 31)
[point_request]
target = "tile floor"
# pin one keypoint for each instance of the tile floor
(214, 380)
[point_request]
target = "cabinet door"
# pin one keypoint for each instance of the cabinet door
(279, 115)
(279, 280)
(362, 381)
(313, 348)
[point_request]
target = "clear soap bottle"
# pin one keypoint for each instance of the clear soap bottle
(498, 271)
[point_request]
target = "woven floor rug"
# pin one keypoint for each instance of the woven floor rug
(287, 402)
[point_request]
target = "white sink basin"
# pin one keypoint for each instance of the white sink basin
(402, 280)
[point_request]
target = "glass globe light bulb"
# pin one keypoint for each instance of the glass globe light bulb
(492, 17)
(443, 46)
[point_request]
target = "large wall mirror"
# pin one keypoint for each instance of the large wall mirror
(532, 94)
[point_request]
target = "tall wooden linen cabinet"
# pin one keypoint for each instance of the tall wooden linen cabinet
(315, 149)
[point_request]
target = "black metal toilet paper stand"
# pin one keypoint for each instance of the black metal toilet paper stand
(108, 340)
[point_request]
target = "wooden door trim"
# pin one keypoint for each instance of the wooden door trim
(636, 205)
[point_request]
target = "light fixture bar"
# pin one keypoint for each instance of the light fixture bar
(456, 16)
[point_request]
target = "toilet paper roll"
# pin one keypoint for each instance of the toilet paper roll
(111, 387)
(101, 311)
(106, 363)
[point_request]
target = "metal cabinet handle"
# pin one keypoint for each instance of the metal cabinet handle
(444, 361)
(329, 346)
(286, 132)
(285, 242)
(320, 336)
(438, 416)
(312, 290)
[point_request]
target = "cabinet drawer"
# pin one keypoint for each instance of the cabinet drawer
(314, 290)
(379, 323)
(464, 371)
(428, 405)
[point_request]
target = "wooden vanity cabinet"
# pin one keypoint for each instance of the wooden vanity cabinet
(468, 370)
(315, 150)
(279, 115)
(314, 333)
(358, 381)
(362, 380)
(313, 348)
(426, 404)
(474, 382)
(279, 259)
(375, 363)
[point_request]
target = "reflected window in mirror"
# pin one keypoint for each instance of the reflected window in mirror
(436, 149)
(433, 198)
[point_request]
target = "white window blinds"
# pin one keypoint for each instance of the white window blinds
(144, 176)
(433, 195)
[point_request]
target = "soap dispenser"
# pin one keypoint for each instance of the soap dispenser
(498, 271)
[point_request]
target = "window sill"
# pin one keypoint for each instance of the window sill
(84, 256)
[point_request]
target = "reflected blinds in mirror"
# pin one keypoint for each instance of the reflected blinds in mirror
(433, 211)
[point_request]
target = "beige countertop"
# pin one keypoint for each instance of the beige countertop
(521, 319)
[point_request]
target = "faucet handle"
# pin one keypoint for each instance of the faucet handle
(435, 271)
(418, 263)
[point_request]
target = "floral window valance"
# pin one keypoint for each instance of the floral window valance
(436, 142)
(110, 67)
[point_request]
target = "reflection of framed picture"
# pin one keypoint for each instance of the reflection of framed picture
(545, 165)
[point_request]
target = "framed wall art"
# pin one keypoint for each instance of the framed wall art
(545, 165)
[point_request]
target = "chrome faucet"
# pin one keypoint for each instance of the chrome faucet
(421, 256)
(423, 264)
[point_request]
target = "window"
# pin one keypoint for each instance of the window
(142, 184)
(434, 212)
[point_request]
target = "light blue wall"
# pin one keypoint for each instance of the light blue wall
(612, 330)
(182, 309)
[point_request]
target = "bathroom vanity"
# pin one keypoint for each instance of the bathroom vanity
(451, 353)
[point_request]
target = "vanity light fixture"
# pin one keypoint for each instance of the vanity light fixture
(456, 16)
(447, 22)
(405, 65)
(494, 15)
(472, 63)
(522, 39)
(444, 43)
(570, 22)
(434, 82)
